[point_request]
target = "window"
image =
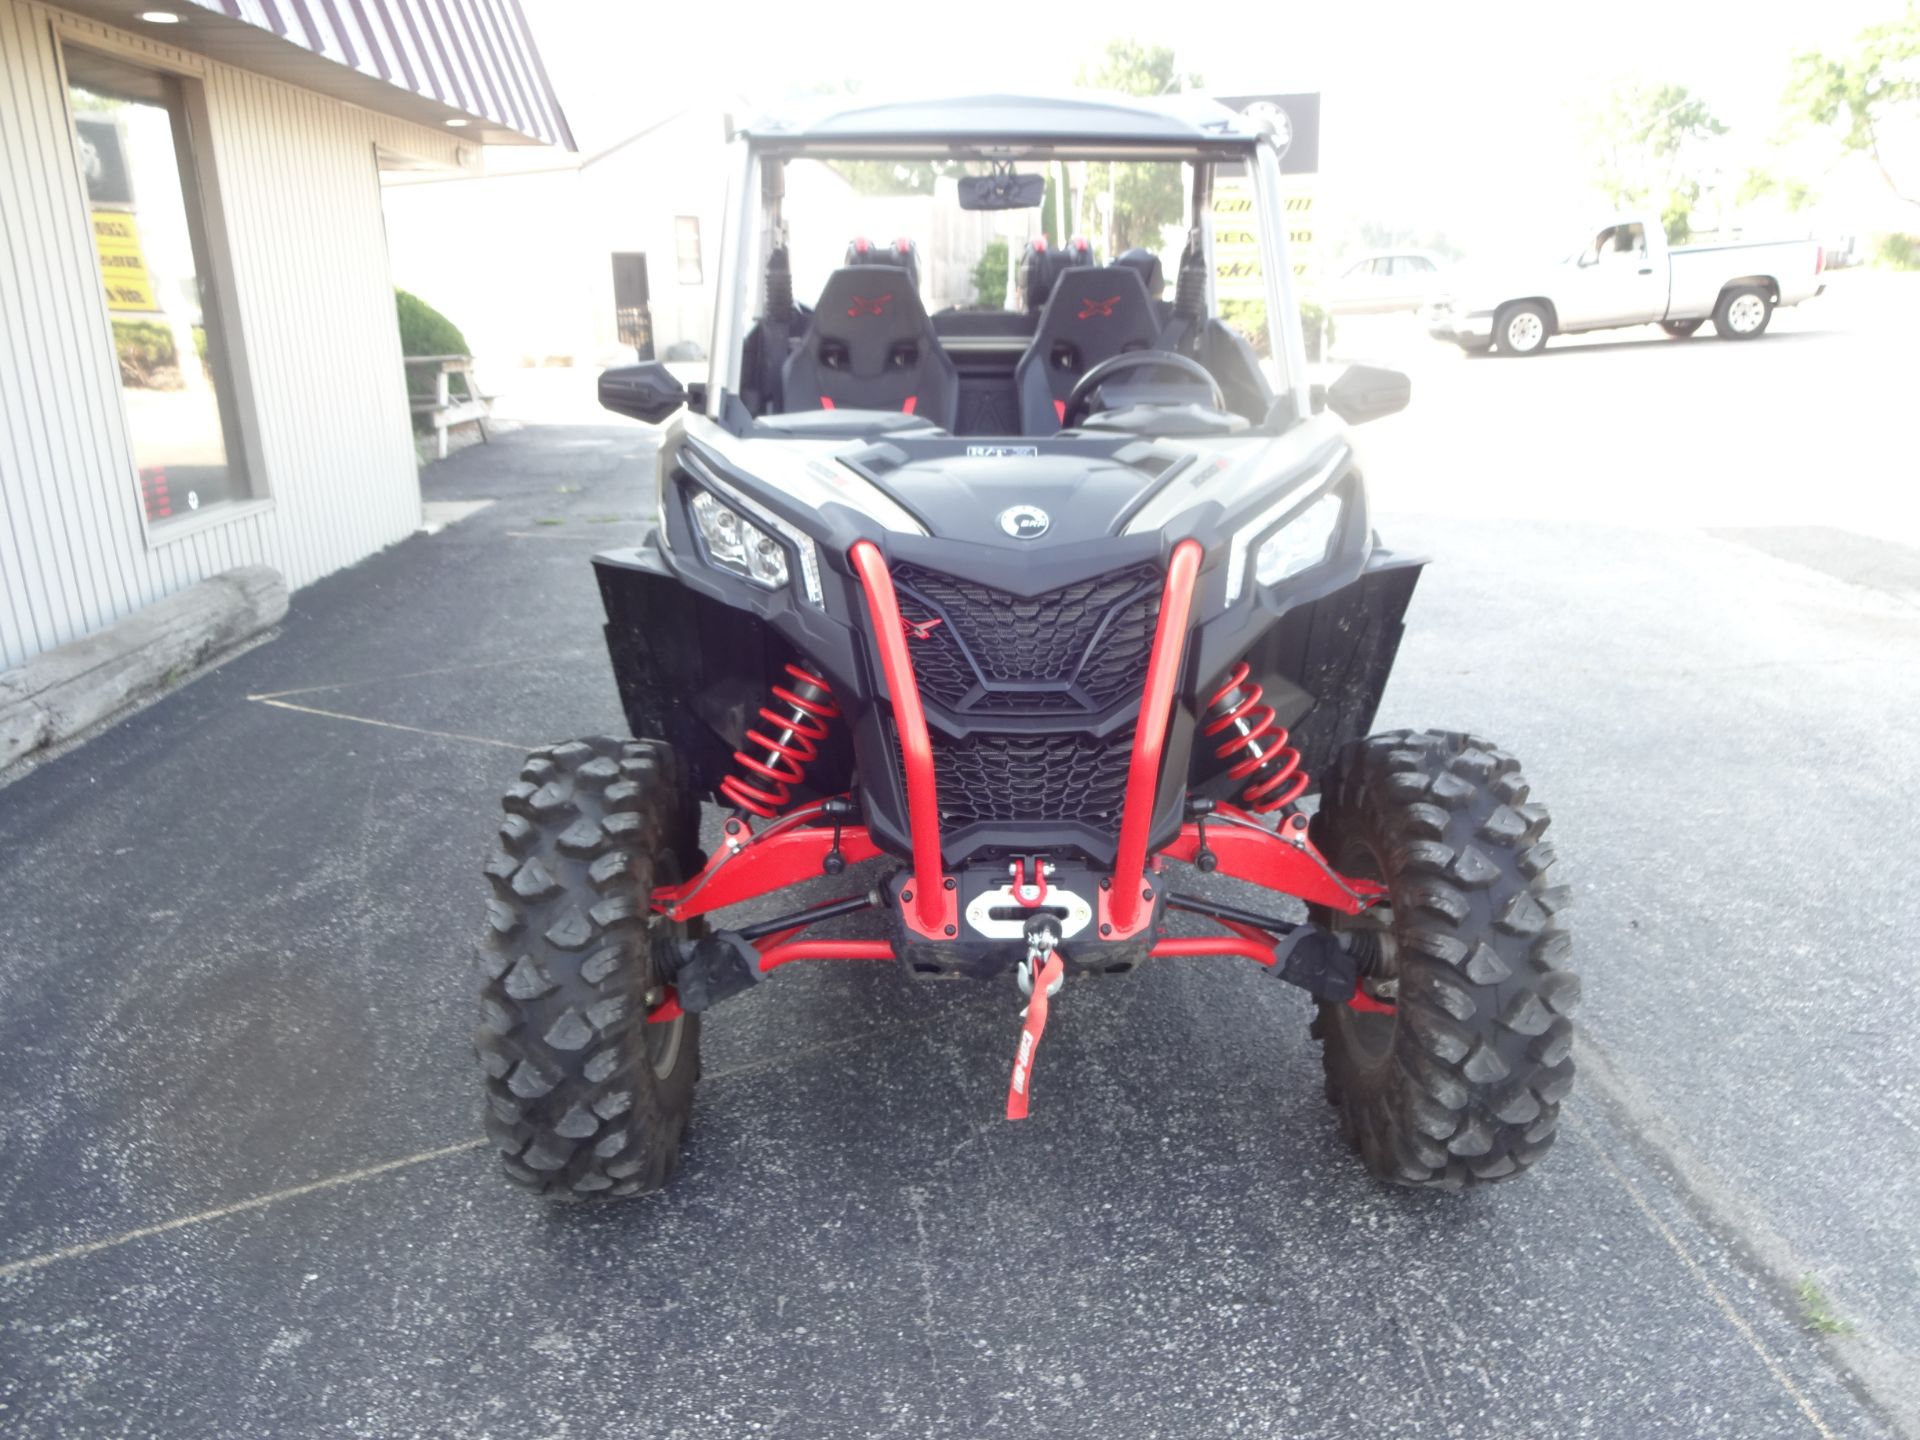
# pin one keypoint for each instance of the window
(1621, 242)
(132, 129)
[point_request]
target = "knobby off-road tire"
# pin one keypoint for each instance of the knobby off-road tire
(1463, 1082)
(584, 1098)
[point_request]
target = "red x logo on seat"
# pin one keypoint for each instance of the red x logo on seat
(863, 306)
(1090, 307)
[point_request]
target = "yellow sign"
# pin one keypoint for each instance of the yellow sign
(123, 267)
(1236, 236)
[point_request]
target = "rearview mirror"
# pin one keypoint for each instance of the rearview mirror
(647, 391)
(1002, 192)
(1367, 392)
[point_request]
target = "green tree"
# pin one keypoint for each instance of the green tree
(1129, 67)
(892, 177)
(1145, 196)
(1649, 145)
(1794, 193)
(1863, 96)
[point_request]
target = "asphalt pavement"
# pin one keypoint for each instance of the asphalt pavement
(246, 1193)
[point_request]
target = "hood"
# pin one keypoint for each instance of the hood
(1033, 514)
(1013, 501)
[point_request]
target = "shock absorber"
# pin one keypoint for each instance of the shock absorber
(1267, 768)
(776, 759)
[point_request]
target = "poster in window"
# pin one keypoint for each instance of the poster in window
(123, 265)
(103, 161)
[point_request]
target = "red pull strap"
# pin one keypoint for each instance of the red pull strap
(1030, 1038)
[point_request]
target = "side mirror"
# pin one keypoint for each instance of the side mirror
(1367, 392)
(646, 391)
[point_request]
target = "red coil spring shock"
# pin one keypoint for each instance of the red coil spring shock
(1269, 766)
(793, 744)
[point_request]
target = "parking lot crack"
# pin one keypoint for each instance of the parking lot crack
(239, 1207)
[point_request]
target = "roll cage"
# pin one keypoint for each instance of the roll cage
(1203, 135)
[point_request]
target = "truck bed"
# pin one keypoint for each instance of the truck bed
(1700, 272)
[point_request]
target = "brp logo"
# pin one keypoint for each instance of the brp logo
(1090, 308)
(1025, 522)
(863, 306)
(1278, 122)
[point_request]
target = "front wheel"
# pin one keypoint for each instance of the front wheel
(1681, 329)
(1523, 329)
(585, 1098)
(1457, 1077)
(1743, 312)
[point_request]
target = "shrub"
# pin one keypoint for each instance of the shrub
(425, 331)
(1319, 327)
(990, 275)
(1249, 317)
(149, 360)
(1897, 252)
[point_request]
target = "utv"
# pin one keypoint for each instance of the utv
(1059, 611)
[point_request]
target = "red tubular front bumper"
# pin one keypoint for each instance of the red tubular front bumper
(931, 907)
(1230, 842)
(1125, 908)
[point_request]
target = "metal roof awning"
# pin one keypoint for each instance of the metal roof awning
(471, 64)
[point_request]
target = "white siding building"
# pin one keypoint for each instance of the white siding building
(199, 360)
(520, 257)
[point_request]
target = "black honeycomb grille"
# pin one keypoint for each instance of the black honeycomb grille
(1081, 648)
(1000, 779)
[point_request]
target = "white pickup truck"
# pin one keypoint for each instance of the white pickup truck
(1627, 274)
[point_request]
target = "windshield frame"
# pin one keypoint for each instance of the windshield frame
(749, 232)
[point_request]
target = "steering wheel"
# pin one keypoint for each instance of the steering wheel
(1078, 399)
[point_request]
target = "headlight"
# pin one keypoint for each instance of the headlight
(1301, 540)
(738, 544)
(1300, 544)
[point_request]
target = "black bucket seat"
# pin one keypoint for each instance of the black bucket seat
(872, 347)
(1091, 316)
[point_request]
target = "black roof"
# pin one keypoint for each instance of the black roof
(1089, 118)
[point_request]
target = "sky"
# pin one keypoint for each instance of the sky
(1463, 119)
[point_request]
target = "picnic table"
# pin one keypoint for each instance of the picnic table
(446, 410)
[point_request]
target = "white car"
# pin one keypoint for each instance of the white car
(1627, 274)
(1384, 281)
